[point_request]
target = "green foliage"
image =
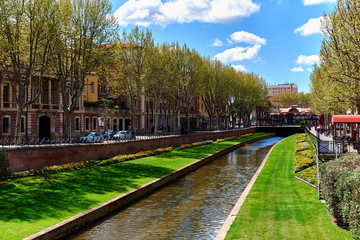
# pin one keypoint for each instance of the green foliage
(335, 83)
(341, 187)
(303, 124)
(4, 164)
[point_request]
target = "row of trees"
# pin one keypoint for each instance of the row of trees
(72, 38)
(62, 37)
(282, 100)
(179, 74)
(335, 82)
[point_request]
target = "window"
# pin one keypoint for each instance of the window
(114, 124)
(87, 124)
(102, 89)
(77, 124)
(109, 90)
(94, 123)
(92, 86)
(6, 125)
(22, 127)
(6, 92)
(108, 126)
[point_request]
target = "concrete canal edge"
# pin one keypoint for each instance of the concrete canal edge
(234, 212)
(80, 221)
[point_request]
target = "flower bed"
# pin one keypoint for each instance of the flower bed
(302, 162)
(195, 144)
(55, 169)
(301, 138)
(307, 154)
(309, 175)
(122, 158)
(300, 148)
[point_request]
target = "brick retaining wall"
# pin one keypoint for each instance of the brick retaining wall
(24, 158)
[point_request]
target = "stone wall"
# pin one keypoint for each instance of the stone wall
(25, 158)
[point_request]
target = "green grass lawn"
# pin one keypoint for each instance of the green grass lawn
(280, 207)
(35, 203)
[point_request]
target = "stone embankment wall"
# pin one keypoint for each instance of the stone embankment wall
(34, 157)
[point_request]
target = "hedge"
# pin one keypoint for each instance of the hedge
(340, 180)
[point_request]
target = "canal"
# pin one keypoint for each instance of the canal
(194, 207)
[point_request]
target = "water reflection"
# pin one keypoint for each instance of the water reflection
(194, 207)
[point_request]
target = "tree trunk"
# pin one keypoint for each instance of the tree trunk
(156, 120)
(67, 124)
(187, 117)
(20, 109)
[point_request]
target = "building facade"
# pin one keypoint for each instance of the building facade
(281, 88)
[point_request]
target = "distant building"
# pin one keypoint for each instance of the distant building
(281, 88)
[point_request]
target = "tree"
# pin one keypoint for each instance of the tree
(186, 71)
(85, 27)
(160, 78)
(27, 31)
(207, 87)
(130, 68)
(340, 64)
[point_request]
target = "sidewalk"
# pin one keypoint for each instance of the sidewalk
(322, 136)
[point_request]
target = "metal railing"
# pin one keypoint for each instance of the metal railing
(7, 141)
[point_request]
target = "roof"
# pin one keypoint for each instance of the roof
(345, 119)
(296, 110)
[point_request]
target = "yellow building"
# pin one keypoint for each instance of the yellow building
(91, 88)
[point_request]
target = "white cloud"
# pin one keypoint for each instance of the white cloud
(217, 43)
(313, 26)
(308, 60)
(239, 68)
(297, 69)
(146, 12)
(314, 2)
(309, 69)
(238, 54)
(246, 37)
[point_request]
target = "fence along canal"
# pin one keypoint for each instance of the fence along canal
(194, 207)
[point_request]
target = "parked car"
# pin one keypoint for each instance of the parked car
(109, 134)
(92, 137)
(122, 135)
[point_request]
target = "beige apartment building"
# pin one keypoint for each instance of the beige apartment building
(281, 88)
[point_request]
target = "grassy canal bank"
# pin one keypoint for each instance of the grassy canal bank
(32, 204)
(280, 207)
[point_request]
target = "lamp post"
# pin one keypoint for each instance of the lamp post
(317, 162)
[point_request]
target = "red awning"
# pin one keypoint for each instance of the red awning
(345, 119)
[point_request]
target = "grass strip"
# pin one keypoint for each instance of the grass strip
(280, 207)
(35, 203)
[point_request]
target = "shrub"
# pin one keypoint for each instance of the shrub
(4, 164)
(341, 187)
(302, 162)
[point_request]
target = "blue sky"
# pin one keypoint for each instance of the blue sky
(276, 39)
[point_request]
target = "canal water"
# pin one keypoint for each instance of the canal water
(194, 207)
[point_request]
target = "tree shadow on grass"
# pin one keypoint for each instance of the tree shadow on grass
(37, 198)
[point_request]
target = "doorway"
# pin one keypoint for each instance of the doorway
(44, 127)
